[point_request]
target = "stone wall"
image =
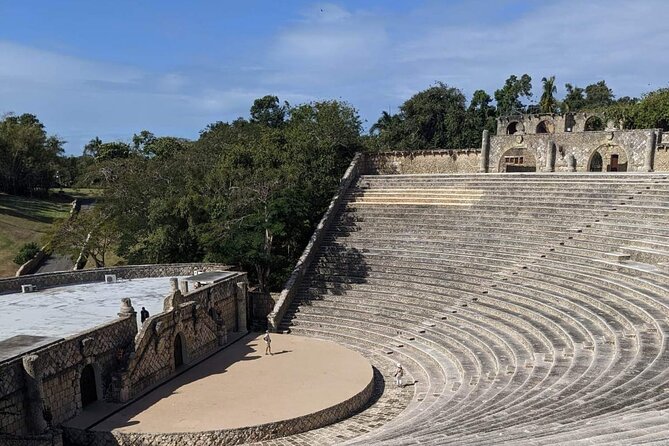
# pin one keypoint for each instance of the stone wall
(426, 161)
(351, 175)
(46, 280)
(630, 143)
(662, 158)
(51, 438)
(229, 436)
(49, 377)
(262, 304)
(14, 417)
(204, 319)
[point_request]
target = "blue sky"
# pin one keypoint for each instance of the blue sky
(110, 69)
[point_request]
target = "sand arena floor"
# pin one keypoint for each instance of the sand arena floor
(240, 386)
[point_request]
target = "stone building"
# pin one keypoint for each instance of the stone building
(573, 142)
(116, 361)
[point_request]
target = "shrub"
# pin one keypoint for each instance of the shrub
(27, 252)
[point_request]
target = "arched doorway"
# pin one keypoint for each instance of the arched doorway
(518, 159)
(608, 158)
(596, 163)
(88, 386)
(594, 124)
(178, 351)
(545, 126)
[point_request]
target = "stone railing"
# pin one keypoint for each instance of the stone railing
(47, 280)
(290, 288)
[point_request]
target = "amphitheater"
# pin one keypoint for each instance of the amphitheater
(522, 285)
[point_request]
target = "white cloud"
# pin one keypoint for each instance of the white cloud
(45, 67)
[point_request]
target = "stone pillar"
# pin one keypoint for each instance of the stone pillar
(127, 309)
(242, 302)
(485, 152)
(174, 299)
(571, 162)
(550, 156)
(183, 286)
(650, 152)
(36, 422)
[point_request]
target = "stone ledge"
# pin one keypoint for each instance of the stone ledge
(242, 435)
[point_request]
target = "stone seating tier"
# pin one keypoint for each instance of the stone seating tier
(529, 309)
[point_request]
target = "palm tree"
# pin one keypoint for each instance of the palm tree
(384, 123)
(548, 103)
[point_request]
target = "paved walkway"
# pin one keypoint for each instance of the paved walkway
(240, 386)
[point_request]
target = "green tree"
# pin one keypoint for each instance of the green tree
(91, 148)
(598, 95)
(574, 99)
(268, 111)
(93, 233)
(28, 156)
(508, 97)
(480, 115)
(433, 119)
(149, 145)
(547, 102)
(653, 110)
(245, 193)
(112, 150)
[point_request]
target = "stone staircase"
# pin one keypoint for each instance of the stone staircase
(528, 308)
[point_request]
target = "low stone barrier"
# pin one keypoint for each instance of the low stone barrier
(47, 280)
(50, 438)
(242, 435)
(423, 161)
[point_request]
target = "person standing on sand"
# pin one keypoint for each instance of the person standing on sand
(268, 343)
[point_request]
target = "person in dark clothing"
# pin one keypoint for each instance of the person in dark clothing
(144, 314)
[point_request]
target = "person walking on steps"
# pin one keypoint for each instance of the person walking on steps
(268, 343)
(399, 373)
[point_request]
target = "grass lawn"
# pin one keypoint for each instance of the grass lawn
(24, 220)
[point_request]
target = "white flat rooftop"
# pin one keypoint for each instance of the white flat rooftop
(63, 311)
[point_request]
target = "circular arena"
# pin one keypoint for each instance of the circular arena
(241, 394)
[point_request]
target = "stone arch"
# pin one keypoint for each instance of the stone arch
(545, 126)
(608, 158)
(596, 162)
(513, 127)
(518, 159)
(89, 385)
(594, 124)
(179, 351)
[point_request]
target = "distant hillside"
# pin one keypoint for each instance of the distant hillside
(24, 220)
